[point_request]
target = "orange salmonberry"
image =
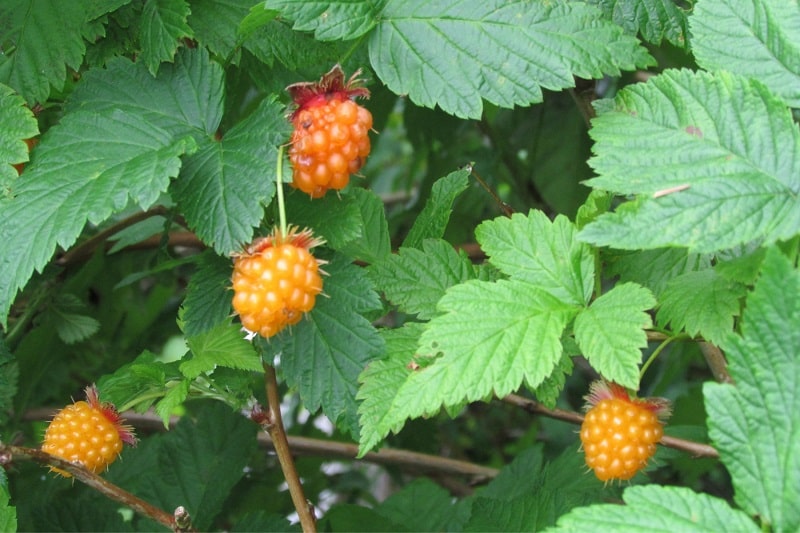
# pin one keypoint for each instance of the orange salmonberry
(619, 433)
(276, 280)
(330, 140)
(87, 432)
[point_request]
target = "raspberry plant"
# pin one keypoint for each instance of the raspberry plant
(556, 192)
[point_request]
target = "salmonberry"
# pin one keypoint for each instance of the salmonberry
(90, 433)
(619, 433)
(330, 139)
(276, 280)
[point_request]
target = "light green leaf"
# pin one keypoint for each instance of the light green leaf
(225, 345)
(44, 38)
(653, 268)
(326, 351)
(208, 297)
(658, 509)
(701, 302)
(546, 254)
(17, 124)
(381, 380)
(215, 23)
(759, 39)
(373, 244)
(611, 332)
(415, 280)
(162, 27)
(87, 167)
(186, 98)
(174, 397)
(432, 221)
(453, 53)
(223, 187)
(139, 383)
(654, 19)
(755, 424)
(330, 20)
(597, 203)
(491, 339)
(715, 160)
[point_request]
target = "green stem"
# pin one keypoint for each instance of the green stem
(598, 279)
(658, 350)
(279, 193)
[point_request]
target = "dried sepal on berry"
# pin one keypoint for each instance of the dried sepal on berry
(330, 139)
(276, 280)
(331, 85)
(619, 433)
(88, 432)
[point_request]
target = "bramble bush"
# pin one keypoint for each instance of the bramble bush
(557, 192)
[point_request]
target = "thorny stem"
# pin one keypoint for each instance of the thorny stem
(274, 426)
(178, 522)
(504, 207)
(695, 449)
(279, 192)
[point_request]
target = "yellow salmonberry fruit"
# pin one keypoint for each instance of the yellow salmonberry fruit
(87, 432)
(276, 281)
(330, 139)
(619, 433)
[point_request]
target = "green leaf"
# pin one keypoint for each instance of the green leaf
(653, 268)
(208, 297)
(326, 351)
(67, 317)
(422, 505)
(162, 27)
(336, 219)
(8, 513)
(215, 23)
(274, 40)
(657, 508)
(44, 38)
(330, 20)
(759, 39)
(195, 465)
(381, 380)
(492, 337)
(186, 98)
(529, 494)
(223, 186)
(88, 167)
(544, 253)
(715, 160)
(432, 221)
(373, 244)
(611, 332)
(597, 203)
(174, 397)
(453, 54)
(149, 227)
(755, 424)
(549, 390)
(225, 345)
(415, 280)
(654, 19)
(142, 377)
(701, 302)
(17, 124)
